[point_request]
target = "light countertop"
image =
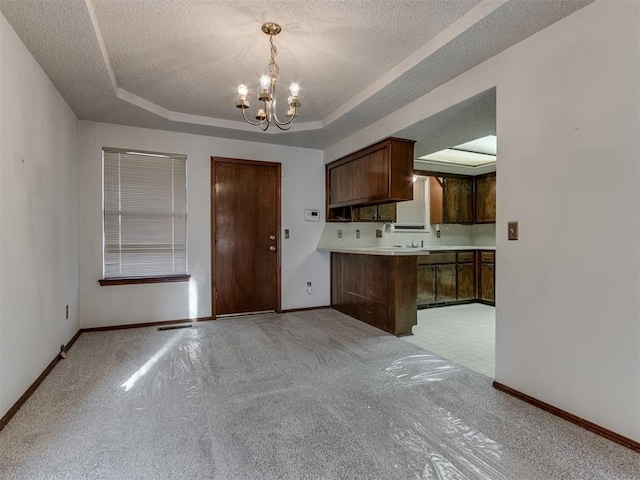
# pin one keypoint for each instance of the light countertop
(395, 251)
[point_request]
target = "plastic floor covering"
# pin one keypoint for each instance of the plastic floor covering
(309, 395)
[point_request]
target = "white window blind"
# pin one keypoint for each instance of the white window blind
(145, 214)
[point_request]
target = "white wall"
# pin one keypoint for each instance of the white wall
(568, 315)
(38, 219)
(302, 188)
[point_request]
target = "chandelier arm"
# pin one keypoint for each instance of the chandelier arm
(249, 121)
(283, 124)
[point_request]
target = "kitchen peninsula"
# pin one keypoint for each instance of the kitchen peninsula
(380, 285)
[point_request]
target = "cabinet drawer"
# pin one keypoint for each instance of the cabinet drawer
(487, 257)
(466, 257)
(439, 257)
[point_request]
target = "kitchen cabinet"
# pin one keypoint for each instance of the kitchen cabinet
(436, 275)
(381, 173)
(446, 278)
(466, 276)
(377, 289)
(375, 213)
(486, 277)
(451, 200)
(485, 198)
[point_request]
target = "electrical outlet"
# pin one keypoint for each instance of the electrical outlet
(67, 312)
(339, 233)
(357, 233)
(286, 233)
(438, 233)
(309, 288)
(378, 233)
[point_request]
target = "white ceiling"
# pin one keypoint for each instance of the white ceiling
(175, 64)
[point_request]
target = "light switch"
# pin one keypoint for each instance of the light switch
(286, 233)
(513, 230)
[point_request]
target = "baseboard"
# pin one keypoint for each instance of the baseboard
(306, 309)
(25, 396)
(146, 324)
(597, 429)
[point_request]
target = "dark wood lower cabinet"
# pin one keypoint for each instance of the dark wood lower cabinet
(446, 277)
(466, 281)
(486, 277)
(377, 289)
(426, 284)
(446, 283)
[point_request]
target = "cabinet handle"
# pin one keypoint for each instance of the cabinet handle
(272, 248)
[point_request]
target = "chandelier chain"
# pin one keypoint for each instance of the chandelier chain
(274, 70)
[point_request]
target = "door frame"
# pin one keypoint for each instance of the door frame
(238, 161)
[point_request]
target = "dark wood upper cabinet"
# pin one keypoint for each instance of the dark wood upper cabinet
(485, 198)
(451, 200)
(463, 200)
(375, 213)
(380, 173)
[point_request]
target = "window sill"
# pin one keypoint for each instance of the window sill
(134, 280)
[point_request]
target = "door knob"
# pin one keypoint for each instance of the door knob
(272, 237)
(272, 248)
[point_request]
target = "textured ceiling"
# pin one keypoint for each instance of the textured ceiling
(175, 64)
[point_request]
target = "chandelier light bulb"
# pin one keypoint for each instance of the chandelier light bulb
(265, 81)
(243, 90)
(295, 89)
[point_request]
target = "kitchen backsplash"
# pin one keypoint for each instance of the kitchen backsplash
(450, 235)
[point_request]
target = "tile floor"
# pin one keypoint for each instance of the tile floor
(464, 334)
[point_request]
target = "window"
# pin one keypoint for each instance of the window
(144, 217)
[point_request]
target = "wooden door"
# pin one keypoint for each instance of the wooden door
(245, 228)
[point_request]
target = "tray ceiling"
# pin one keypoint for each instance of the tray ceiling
(175, 64)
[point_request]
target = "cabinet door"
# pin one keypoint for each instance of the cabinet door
(466, 281)
(426, 284)
(466, 200)
(451, 200)
(486, 199)
(446, 283)
(436, 214)
(365, 214)
(487, 280)
(387, 212)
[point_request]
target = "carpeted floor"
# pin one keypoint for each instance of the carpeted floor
(310, 395)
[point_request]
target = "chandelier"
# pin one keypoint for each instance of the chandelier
(267, 113)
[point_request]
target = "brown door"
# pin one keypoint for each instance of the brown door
(245, 228)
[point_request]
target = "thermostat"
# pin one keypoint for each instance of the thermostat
(312, 215)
